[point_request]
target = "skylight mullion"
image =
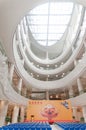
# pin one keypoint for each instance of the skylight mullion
(50, 14)
(45, 33)
(48, 22)
(45, 40)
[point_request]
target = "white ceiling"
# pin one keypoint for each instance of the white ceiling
(11, 12)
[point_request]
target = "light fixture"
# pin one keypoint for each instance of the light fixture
(51, 96)
(55, 65)
(37, 65)
(37, 75)
(48, 76)
(56, 75)
(47, 65)
(56, 96)
(32, 74)
(62, 63)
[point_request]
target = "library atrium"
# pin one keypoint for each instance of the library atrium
(42, 64)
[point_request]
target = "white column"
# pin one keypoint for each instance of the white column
(75, 112)
(71, 92)
(3, 112)
(75, 62)
(85, 45)
(11, 72)
(25, 26)
(22, 113)
(18, 35)
(15, 114)
(47, 55)
(47, 95)
(80, 87)
(84, 112)
(25, 91)
(20, 85)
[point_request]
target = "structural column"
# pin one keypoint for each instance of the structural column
(25, 92)
(20, 85)
(22, 110)
(15, 114)
(47, 55)
(47, 95)
(71, 92)
(11, 72)
(75, 62)
(25, 26)
(84, 112)
(3, 112)
(80, 87)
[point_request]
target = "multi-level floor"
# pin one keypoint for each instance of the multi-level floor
(42, 54)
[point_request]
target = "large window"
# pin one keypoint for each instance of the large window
(49, 21)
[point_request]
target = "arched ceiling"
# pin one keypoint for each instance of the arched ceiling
(11, 12)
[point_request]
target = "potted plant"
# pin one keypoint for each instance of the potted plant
(82, 119)
(19, 118)
(74, 119)
(8, 119)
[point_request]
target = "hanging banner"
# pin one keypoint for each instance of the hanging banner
(56, 110)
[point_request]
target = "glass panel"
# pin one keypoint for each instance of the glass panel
(43, 43)
(58, 8)
(48, 22)
(54, 36)
(59, 19)
(41, 9)
(38, 29)
(51, 42)
(40, 36)
(38, 19)
(57, 29)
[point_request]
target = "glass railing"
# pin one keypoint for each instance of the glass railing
(2, 50)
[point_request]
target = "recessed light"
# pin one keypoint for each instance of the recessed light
(37, 65)
(47, 65)
(37, 75)
(56, 75)
(32, 74)
(55, 65)
(62, 63)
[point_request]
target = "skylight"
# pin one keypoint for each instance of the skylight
(49, 21)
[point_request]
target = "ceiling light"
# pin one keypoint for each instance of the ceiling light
(56, 96)
(63, 74)
(32, 74)
(61, 63)
(37, 65)
(37, 75)
(83, 54)
(48, 76)
(55, 65)
(47, 65)
(79, 60)
(56, 75)
(51, 96)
